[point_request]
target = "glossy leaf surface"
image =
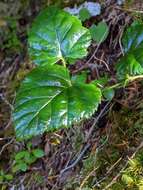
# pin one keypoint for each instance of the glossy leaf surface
(133, 37)
(57, 35)
(132, 62)
(128, 65)
(48, 100)
(108, 93)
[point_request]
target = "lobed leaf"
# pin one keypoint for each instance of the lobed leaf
(47, 100)
(128, 65)
(56, 35)
(133, 37)
(132, 62)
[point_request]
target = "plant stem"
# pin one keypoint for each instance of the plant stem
(64, 62)
(116, 85)
(131, 78)
(128, 79)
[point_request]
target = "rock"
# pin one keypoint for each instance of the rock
(93, 8)
(120, 2)
(73, 11)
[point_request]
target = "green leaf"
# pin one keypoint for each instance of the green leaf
(99, 32)
(84, 14)
(38, 153)
(128, 65)
(2, 173)
(47, 100)
(20, 167)
(102, 81)
(29, 145)
(132, 62)
(1, 178)
(30, 159)
(108, 93)
(79, 78)
(8, 177)
(56, 35)
(133, 37)
(20, 155)
(127, 179)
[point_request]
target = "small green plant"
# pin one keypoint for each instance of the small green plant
(132, 176)
(9, 33)
(5, 177)
(25, 158)
(130, 66)
(50, 98)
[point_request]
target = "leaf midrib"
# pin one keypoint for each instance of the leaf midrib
(43, 107)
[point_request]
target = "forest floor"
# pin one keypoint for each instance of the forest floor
(104, 152)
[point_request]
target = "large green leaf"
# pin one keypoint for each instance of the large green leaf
(132, 62)
(47, 100)
(57, 35)
(133, 37)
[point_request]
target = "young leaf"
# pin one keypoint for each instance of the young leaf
(30, 159)
(56, 35)
(38, 153)
(84, 14)
(100, 32)
(20, 167)
(8, 177)
(108, 93)
(20, 155)
(132, 62)
(47, 100)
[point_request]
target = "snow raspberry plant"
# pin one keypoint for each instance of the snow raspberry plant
(51, 98)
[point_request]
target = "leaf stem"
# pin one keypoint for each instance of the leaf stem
(118, 85)
(131, 78)
(64, 64)
(127, 80)
(63, 61)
